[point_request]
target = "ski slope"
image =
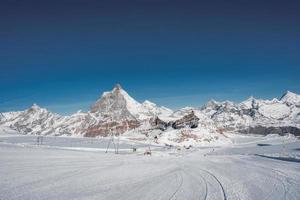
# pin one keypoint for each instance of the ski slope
(77, 168)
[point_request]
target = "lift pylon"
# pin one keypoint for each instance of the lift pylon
(112, 134)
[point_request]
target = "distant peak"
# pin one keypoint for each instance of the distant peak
(288, 94)
(249, 99)
(290, 98)
(212, 102)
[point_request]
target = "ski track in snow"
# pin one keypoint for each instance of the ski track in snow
(42, 172)
(218, 181)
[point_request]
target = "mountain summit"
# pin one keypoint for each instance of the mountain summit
(118, 101)
(290, 98)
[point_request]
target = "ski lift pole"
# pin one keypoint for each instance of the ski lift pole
(118, 144)
(283, 147)
(116, 133)
(113, 141)
(149, 146)
(108, 142)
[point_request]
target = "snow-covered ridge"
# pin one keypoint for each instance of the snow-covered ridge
(117, 110)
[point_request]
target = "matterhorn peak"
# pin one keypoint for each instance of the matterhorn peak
(115, 102)
(118, 100)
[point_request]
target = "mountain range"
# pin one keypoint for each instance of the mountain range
(118, 113)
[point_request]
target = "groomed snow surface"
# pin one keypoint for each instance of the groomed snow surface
(252, 167)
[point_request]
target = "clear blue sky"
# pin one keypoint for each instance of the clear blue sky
(63, 54)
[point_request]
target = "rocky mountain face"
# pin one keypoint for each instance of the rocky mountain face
(120, 105)
(116, 112)
(116, 104)
(157, 123)
(189, 120)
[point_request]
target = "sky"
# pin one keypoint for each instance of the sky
(63, 54)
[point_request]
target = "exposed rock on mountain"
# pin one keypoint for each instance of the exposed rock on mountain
(281, 130)
(158, 124)
(105, 128)
(190, 120)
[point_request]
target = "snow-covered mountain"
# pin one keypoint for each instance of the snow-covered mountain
(255, 112)
(40, 121)
(116, 111)
(119, 104)
(35, 120)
